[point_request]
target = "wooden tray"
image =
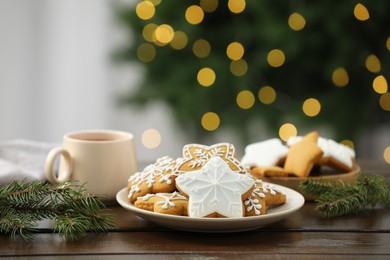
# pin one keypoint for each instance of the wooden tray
(327, 175)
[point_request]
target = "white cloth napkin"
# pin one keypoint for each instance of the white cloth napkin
(23, 159)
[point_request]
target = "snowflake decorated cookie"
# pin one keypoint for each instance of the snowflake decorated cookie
(215, 190)
(195, 157)
(155, 178)
(166, 203)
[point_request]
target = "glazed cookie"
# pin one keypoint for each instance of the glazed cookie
(255, 204)
(155, 178)
(215, 190)
(335, 155)
(263, 154)
(273, 196)
(303, 155)
(195, 156)
(165, 203)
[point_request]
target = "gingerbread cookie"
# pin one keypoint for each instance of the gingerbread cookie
(335, 155)
(303, 155)
(215, 190)
(263, 154)
(255, 204)
(269, 171)
(195, 156)
(155, 178)
(165, 203)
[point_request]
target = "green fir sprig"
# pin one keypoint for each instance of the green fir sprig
(74, 213)
(339, 199)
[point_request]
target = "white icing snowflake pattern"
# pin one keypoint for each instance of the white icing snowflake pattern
(196, 156)
(162, 168)
(214, 189)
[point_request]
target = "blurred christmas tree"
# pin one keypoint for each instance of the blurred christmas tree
(288, 64)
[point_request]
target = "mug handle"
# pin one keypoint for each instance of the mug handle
(49, 166)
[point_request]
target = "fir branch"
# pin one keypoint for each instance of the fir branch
(339, 199)
(23, 203)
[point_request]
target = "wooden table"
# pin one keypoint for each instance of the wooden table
(302, 236)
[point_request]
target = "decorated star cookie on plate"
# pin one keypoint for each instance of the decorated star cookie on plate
(165, 203)
(155, 178)
(215, 190)
(195, 156)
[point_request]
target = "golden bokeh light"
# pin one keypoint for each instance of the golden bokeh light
(151, 138)
(384, 101)
(267, 95)
(194, 14)
(286, 131)
(296, 21)
(235, 51)
(209, 5)
(388, 43)
(245, 99)
(145, 10)
(148, 32)
(164, 33)
(154, 2)
(386, 154)
(311, 107)
(360, 12)
(348, 143)
(236, 6)
(210, 121)
(201, 48)
(373, 64)
(340, 77)
(380, 84)
(146, 52)
(276, 58)
(206, 77)
(238, 67)
(179, 40)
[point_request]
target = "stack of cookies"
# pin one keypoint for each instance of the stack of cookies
(207, 181)
(298, 157)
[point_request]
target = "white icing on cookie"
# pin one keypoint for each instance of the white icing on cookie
(168, 198)
(196, 156)
(331, 149)
(253, 202)
(215, 188)
(266, 153)
(162, 168)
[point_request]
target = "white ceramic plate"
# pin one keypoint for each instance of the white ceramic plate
(218, 225)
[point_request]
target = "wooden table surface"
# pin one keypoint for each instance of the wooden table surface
(304, 235)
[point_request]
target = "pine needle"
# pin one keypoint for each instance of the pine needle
(339, 199)
(23, 203)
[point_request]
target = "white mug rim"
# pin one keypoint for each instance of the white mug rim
(114, 136)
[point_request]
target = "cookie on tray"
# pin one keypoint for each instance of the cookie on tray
(302, 155)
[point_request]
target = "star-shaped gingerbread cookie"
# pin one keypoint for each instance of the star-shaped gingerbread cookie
(195, 156)
(215, 190)
(303, 155)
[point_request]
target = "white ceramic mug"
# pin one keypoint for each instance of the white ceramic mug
(103, 160)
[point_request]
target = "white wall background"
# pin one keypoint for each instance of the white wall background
(56, 76)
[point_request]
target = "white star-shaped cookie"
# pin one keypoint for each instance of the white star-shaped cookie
(265, 153)
(215, 188)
